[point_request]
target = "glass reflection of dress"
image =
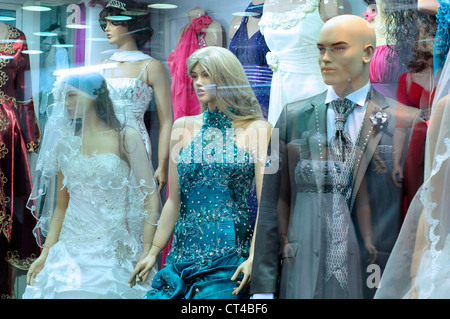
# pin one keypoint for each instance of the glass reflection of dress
(19, 134)
(213, 233)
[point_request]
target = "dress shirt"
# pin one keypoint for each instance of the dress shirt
(355, 119)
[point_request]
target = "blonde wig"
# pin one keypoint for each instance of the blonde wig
(234, 95)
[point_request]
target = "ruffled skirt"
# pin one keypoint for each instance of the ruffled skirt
(94, 274)
(187, 280)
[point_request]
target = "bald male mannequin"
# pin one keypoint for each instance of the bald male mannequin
(305, 247)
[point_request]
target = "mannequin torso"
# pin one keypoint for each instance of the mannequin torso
(252, 23)
(212, 34)
(3, 31)
(327, 9)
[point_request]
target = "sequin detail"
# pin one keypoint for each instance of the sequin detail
(215, 177)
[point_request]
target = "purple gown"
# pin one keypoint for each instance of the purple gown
(251, 52)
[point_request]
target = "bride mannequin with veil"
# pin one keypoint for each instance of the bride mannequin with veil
(97, 203)
(419, 266)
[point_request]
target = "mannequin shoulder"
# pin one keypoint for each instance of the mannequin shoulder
(259, 124)
(156, 71)
(330, 9)
(101, 61)
(188, 122)
(234, 26)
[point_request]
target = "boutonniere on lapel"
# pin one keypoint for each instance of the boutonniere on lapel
(379, 119)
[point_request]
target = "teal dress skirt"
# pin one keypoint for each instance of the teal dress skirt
(213, 234)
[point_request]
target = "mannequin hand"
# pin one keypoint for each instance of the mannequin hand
(246, 269)
(160, 176)
(380, 166)
(397, 170)
(372, 251)
(142, 269)
(36, 268)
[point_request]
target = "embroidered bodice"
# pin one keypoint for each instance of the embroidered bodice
(131, 98)
(215, 177)
(289, 19)
(96, 216)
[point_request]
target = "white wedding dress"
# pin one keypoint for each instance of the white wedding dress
(100, 240)
(131, 98)
(292, 39)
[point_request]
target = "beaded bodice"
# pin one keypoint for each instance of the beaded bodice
(215, 177)
(96, 216)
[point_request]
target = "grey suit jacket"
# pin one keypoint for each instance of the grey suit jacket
(288, 229)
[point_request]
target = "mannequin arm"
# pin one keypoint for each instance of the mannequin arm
(428, 6)
(364, 214)
(169, 216)
(214, 34)
(419, 246)
(399, 146)
(62, 200)
(159, 81)
(141, 167)
(259, 142)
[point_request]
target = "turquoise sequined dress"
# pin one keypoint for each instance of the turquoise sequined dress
(213, 234)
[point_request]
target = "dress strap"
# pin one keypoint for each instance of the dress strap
(143, 69)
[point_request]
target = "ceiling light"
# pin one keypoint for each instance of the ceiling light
(63, 45)
(245, 14)
(98, 39)
(32, 51)
(162, 6)
(5, 18)
(46, 34)
(36, 8)
(78, 26)
(118, 18)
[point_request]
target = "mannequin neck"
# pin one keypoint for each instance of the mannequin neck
(128, 45)
(3, 31)
(195, 13)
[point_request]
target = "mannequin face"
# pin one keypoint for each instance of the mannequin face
(203, 86)
(343, 56)
(78, 103)
(116, 33)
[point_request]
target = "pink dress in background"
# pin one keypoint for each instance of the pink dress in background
(385, 71)
(184, 99)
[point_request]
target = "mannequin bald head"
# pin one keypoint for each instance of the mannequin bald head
(346, 45)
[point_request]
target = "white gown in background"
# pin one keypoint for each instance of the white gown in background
(131, 98)
(99, 242)
(292, 39)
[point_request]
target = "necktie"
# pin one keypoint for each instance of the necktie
(336, 221)
(341, 144)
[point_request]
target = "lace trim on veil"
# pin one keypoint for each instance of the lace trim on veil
(430, 206)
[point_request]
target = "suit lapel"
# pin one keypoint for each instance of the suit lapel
(317, 126)
(317, 137)
(369, 139)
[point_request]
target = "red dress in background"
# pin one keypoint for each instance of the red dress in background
(19, 134)
(413, 94)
